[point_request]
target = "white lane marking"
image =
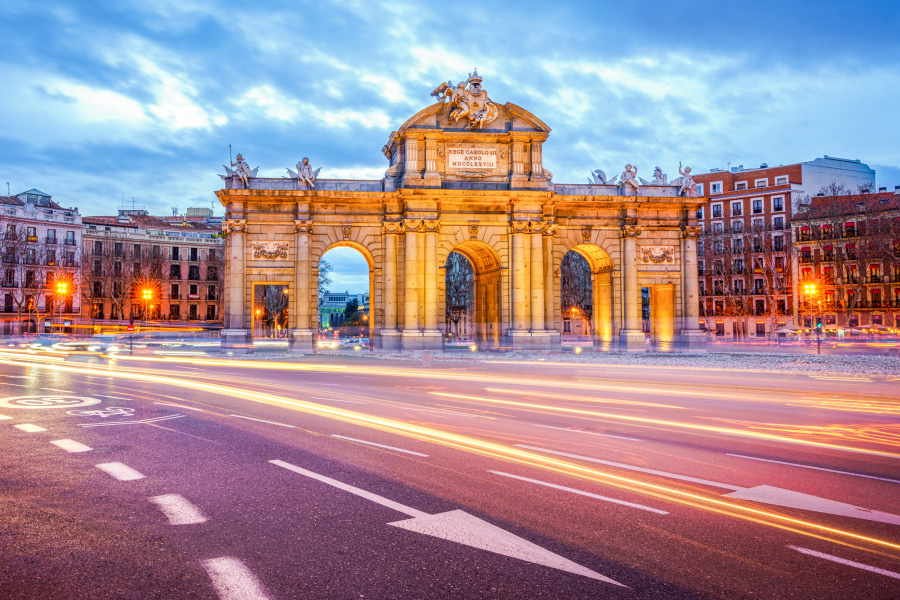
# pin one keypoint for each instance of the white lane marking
(862, 379)
(582, 493)
(844, 561)
(15, 384)
(234, 581)
(29, 427)
(112, 397)
(153, 420)
(609, 435)
(71, 446)
(412, 512)
(20, 377)
(581, 404)
(120, 471)
(461, 527)
(56, 390)
(336, 400)
(178, 406)
(768, 494)
(633, 468)
(262, 421)
(781, 462)
(4, 417)
(178, 510)
(343, 437)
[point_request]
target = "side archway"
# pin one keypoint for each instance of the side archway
(601, 318)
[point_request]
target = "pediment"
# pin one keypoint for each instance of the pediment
(511, 118)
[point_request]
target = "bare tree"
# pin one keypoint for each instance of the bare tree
(576, 288)
(325, 269)
(460, 286)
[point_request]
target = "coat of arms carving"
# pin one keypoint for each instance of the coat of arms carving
(469, 101)
(269, 250)
(657, 255)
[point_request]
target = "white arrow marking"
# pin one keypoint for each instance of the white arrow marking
(2, 417)
(780, 497)
(463, 528)
(765, 494)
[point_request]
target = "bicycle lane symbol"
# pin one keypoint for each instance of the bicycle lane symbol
(112, 411)
(41, 402)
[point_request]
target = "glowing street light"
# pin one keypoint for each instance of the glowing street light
(62, 290)
(148, 295)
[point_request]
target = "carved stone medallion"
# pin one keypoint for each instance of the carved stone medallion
(658, 255)
(269, 250)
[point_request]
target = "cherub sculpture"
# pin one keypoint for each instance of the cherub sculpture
(241, 171)
(305, 173)
(629, 177)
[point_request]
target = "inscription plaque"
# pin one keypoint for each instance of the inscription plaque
(472, 158)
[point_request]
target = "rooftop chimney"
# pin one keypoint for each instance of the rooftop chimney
(764, 166)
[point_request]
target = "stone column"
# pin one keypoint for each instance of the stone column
(518, 176)
(537, 167)
(302, 335)
(537, 281)
(412, 176)
(549, 292)
(519, 284)
(432, 177)
(631, 335)
(411, 338)
(431, 334)
(691, 335)
(390, 336)
(236, 338)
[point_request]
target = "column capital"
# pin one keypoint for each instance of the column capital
(692, 231)
(422, 225)
(392, 227)
(302, 226)
(234, 226)
(549, 227)
(526, 226)
(630, 231)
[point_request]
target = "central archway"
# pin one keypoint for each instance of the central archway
(485, 300)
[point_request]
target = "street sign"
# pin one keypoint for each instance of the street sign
(131, 328)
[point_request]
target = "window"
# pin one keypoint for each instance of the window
(175, 272)
(737, 246)
(760, 306)
(779, 264)
(193, 291)
(117, 269)
(803, 234)
(98, 289)
(195, 254)
(699, 189)
(739, 287)
(212, 273)
(194, 272)
(702, 288)
(31, 234)
(699, 213)
(701, 268)
(740, 185)
(739, 267)
(778, 204)
(758, 224)
(783, 180)
(98, 268)
(8, 304)
(757, 245)
(51, 257)
(758, 286)
(778, 223)
(737, 226)
(874, 273)
(850, 229)
(10, 280)
(70, 238)
(29, 256)
(98, 248)
(192, 312)
(211, 292)
(757, 206)
(778, 242)
(737, 209)
(715, 187)
(118, 249)
(10, 232)
(716, 211)
(211, 255)
(51, 236)
(137, 251)
(717, 227)
(850, 251)
(175, 255)
(156, 252)
(174, 311)
(210, 312)
(761, 183)
(760, 328)
(828, 274)
(174, 291)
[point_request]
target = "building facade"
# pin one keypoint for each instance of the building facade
(40, 250)
(471, 182)
(847, 264)
(166, 269)
(747, 285)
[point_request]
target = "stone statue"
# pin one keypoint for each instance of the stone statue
(600, 178)
(659, 178)
(470, 103)
(305, 173)
(688, 186)
(241, 171)
(629, 177)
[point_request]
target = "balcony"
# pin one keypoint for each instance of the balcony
(51, 241)
(69, 242)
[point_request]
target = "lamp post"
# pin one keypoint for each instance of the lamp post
(148, 295)
(810, 290)
(62, 290)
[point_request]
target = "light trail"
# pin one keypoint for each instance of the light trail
(675, 424)
(508, 454)
(582, 398)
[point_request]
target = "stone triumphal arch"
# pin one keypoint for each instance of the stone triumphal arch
(466, 175)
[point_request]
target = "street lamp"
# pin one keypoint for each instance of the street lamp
(62, 290)
(810, 290)
(148, 295)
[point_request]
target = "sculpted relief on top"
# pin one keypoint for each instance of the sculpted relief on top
(469, 102)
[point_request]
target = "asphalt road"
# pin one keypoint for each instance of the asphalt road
(362, 478)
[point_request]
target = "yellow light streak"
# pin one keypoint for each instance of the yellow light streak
(582, 398)
(677, 424)
(495, 450)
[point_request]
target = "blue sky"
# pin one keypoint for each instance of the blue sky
(110, 98)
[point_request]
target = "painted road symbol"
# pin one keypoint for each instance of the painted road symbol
(34, 402)
(112, 411)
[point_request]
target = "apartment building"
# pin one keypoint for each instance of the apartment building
(847, 263)
(154, 268)
(745, 255)
(40, 248)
